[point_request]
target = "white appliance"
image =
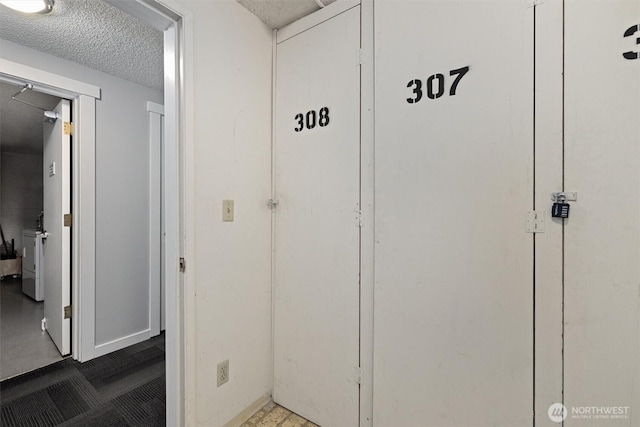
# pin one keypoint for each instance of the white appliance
(33, 264)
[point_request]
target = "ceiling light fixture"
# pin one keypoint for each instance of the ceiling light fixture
(29, 6)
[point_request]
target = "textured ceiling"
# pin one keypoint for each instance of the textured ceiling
(100, 36)
(92, 33)
(88, 32)
(21, 125)
(279, 13)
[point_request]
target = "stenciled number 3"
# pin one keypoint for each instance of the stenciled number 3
(300, 120)
(417, 91)
(629, 33)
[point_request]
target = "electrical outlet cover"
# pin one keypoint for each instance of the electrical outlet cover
(223, 372)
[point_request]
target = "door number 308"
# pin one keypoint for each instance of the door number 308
(312, 118)
(435, 85)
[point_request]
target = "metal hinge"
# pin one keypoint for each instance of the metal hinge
(357, 375)
(67, 312)
(535, 222)
(68, 128)
(68, 220)
(183, 265)
(358, 213)
(360, 57)
(272, 203)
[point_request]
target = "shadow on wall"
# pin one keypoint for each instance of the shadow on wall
(21, 194)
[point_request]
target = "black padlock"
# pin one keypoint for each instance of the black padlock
(560, 210)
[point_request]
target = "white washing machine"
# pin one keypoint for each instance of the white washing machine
(33, 264)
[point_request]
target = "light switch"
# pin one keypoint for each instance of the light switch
(227, 210)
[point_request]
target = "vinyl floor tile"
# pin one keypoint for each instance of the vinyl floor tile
(274, 415)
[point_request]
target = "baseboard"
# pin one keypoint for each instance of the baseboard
(248, 412)
(121, 343)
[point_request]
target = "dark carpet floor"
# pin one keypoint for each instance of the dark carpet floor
(124, 388)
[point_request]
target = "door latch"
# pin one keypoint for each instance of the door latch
(560, 208)
(564, 196)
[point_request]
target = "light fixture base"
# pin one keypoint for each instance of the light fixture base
(29, 6)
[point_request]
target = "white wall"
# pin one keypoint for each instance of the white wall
(21, 194)
(122, 192)
(122, 212)
(228, 308)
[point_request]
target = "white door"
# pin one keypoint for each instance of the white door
(57, 245)
(317, 234)
(602, 233)
(454, 148)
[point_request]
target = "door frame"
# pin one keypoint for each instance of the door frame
(548, 177)
(176, 23)
(367, 178)
(367, 207)
(156, 264)
(83, 100)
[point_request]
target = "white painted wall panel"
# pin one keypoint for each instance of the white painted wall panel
(602, 235)
(228, 290)
(453, 332)
(122, 211)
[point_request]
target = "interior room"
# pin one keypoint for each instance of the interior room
(379, 213)
(21, 207)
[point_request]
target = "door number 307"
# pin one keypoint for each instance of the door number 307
(309, 120)
(435, 85)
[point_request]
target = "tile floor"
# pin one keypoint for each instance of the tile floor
(273, 415)
(23, 345)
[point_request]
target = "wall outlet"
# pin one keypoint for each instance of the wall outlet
(223, 372)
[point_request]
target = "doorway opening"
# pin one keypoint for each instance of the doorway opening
(26, 345)
(168, 18)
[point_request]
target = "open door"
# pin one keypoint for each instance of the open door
(57, 244)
